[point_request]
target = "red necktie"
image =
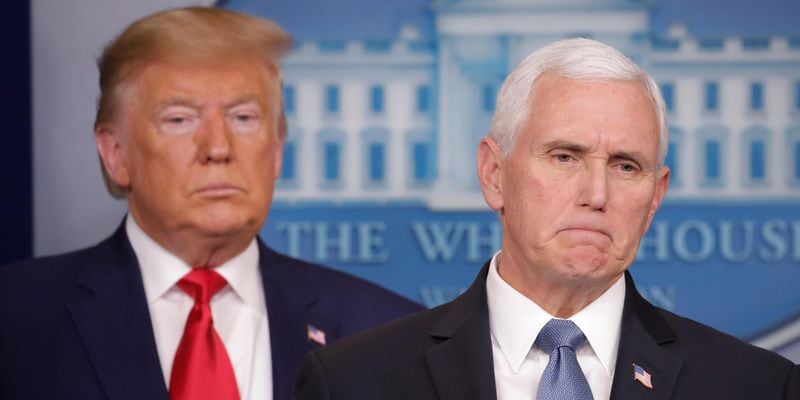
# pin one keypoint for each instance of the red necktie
(202, 369)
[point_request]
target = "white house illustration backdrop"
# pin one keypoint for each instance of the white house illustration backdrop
(379, 166)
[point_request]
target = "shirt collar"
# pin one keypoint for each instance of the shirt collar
(161, 270)
(515, 320)
(244, 277)
(600, 322)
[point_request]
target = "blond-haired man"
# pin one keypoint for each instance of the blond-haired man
(183, 301)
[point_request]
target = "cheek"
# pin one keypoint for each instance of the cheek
(157, 149)
(529, 204)
(166, 167)
(543, 195)
(260, 163)
(631, 218)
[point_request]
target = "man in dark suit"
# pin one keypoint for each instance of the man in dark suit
(574, 167)
(183, 301)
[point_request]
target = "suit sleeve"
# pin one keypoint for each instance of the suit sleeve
(793, 385)
(312, 382)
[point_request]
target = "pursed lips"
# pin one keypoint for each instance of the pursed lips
(585, 228)
(218, 189)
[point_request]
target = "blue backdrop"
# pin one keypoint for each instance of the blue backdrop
(387, 100)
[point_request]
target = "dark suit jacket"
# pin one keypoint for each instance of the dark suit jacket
(446, 353)
(77, 326)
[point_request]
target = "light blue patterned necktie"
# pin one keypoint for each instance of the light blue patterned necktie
(562, 379)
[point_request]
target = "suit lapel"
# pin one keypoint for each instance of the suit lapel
(643, 334)
(111, 316)
(289, 300)
(461, 365)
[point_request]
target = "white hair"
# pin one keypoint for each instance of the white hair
(581, 59)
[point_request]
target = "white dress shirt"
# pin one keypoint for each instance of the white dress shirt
(515, 322)
(239, 310)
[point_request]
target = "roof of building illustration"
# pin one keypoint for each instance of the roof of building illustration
(344, 20)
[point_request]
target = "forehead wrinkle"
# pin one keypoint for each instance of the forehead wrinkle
(242, 99)
(178, 100)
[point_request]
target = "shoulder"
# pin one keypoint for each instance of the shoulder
(296, 270)
(402, 338)
(353, 299)
(34, 293)
(56, 269)
(326, 281)
(705, 362)
(380, 360)
(46, 283)
(392, 361)
(718, 362)
(713, 343)
(697, 343)
(404, 341)
(43, 273)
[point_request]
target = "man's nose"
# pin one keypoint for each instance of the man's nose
(216, 141)
(594, 188)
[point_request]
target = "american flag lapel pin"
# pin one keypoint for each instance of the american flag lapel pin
(644, 377)
(315, 334)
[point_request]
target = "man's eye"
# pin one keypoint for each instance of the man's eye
(627, 167)
(563, 157)
(177, 119)
(178, 124)
(244, 122)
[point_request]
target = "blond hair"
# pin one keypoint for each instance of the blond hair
(198, 34)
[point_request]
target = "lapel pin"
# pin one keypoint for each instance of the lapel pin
(315, 335)
(644, 377)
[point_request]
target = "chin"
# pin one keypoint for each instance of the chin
(586, 260)
(222, 224)
(589, 270)
(574, 272)
(218, 231)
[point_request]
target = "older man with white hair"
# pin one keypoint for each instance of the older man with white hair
(574, 167)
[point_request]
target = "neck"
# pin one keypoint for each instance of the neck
(196, 249)
(203, 252)
(559, 296)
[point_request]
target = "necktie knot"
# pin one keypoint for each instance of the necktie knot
(563, 377)
(202, 284)
(560, 333)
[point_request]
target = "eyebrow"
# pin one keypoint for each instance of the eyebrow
(241, 99)
(176, 101)
(635, 156)
(185, 101)
(565, 144)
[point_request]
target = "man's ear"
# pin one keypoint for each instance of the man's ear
(662, 184)
(490, 168)
(108, 138)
